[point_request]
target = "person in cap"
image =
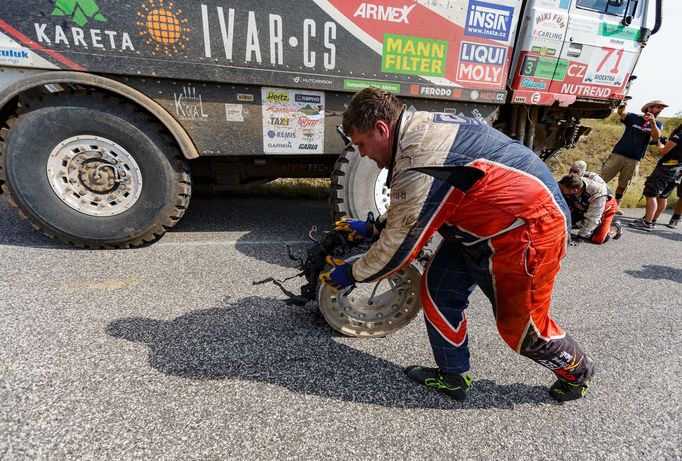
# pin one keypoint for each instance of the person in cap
(579, 167)
(631, 148)
(504, 225)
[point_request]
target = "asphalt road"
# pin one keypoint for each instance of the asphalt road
(170, 352)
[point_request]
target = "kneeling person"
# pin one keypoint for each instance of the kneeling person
(592, 204)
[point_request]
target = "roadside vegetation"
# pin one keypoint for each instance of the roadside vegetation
(593, 149)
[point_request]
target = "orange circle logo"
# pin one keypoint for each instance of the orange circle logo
(163, 26)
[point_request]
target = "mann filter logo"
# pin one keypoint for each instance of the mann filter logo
(277, 96)
(79, 10)
(487, 20)
(163, 27)
(413, 55)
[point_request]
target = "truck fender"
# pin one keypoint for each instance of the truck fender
(187, 147)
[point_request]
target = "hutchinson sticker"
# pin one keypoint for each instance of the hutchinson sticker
(488, 20)
(293, 121)
(163, 26)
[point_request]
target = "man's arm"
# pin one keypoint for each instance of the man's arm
(593, 215)
(655, 130)
(622, 113)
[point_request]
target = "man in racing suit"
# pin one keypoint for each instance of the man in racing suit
(504, 224)
(591, 203)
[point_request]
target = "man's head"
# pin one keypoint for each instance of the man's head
(571, 185)
(579, 167)
(655, 107)
(370, 120)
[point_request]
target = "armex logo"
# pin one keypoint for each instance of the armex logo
(482, 54)
(487, 20)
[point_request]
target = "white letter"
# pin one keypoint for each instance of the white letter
(60, 36)
(126, 42)
(112, 35)
(308, 31)
(96, 38)
(78, 36)
(276, 50)
(329, 35)
(227, 32)
(40, 32)
(207, 36)
(252, 44)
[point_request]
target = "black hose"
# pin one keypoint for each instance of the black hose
(659, 16)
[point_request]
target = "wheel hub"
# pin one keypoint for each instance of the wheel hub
(373, 309)
(94, 175)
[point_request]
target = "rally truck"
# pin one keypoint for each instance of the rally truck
(111, 111)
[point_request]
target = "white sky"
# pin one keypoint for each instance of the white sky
(659, 70)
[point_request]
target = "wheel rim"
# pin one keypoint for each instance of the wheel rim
(382, 194)
(94, 175)
(394, 304)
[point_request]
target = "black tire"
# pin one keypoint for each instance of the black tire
(40, 126)
(353, 184)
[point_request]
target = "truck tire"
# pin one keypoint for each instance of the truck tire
(358, 186)
(93, 171)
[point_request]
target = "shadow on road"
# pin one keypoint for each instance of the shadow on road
(655, 272)
(295, 349)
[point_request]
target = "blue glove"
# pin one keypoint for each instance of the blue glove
(340, 276)
(356, 229)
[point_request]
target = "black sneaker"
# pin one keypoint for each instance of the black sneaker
(455, 386)
(563, 391)
(642, 225)
(673, 223)
(616, 230)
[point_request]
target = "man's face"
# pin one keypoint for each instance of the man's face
(567, 192)
(374, 143)
(656, 109)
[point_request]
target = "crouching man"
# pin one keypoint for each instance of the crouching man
(591, 204)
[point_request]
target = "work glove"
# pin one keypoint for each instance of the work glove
(357, 229)
(340, 276)
(576, 240)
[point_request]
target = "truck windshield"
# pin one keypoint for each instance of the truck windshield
(614, 7)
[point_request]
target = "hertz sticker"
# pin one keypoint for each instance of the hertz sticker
(414, 55)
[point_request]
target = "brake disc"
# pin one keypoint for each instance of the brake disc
(373, 309)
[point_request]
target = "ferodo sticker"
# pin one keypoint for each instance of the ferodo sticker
(293, 121)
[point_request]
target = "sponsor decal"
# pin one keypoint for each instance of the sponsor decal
(576, 70)
(535, 98)
(80, 11)
(260, 38)
(312, 98)
(543, 67)
(398, 196)
(188, 105)
(163, 26)
(482, 54)
(272, 134)
(293, 117)
(15, 56)
(403, 54)
(76, 37)
(448, 118)
(384, 13)
(312, 81)
(277, 96)
(488, 20)
(357, 85)
(414, 89)
(617, 31)
(245, 97)
(435, 91)
(550, 25)
(533, 84)
(520, 99)
(543, 50)
(586, 90)
(234, 112)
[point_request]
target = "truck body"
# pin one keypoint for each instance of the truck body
(227, 94)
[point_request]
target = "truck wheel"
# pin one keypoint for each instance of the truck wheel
(93, 171)
(358, 186)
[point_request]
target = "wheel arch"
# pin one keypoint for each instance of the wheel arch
(39, 81)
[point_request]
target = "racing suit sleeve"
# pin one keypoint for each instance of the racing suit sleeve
(416, 211)
(593, 215)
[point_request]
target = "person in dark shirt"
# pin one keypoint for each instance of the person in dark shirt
(665, 177)
(631, 148)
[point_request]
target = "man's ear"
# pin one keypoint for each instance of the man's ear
(383, 128)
